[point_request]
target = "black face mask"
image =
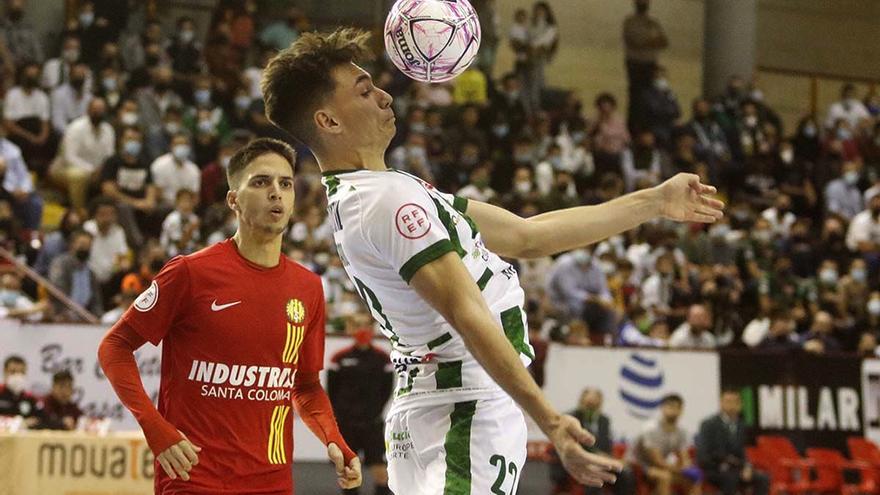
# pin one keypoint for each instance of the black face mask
(77, 84)
(82, 254)
(152, 60)
(30, 82)
(642, 8)
(162, 86)
(15, 15)
(96, 119)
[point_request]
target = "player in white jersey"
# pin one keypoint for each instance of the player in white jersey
(425, 264)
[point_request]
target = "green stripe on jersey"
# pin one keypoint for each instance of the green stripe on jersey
(448, 375)
(446, 220)
(484, 279)
(424, 257)
(458, 449)
(446, 337)
(332, 183)
(460, 204)
(512, 323)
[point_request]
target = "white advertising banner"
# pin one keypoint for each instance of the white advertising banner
(633, 381)
(871, 398)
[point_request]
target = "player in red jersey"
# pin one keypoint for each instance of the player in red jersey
(242, 332)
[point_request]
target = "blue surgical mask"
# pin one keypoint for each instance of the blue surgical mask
(109, 84)
(206, 126)
(87, 18)
(202, 96)
(851, 177)
(8, 298)
(242, 102)
(132, 147)
(859, 274)
(181, 152)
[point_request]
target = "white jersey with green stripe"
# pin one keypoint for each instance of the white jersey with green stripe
(387, 225)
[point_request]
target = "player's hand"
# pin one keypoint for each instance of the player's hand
(588, 469)
(179, 459)
(346, 476)
(684, 199)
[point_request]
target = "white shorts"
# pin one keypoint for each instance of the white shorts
(467, 448)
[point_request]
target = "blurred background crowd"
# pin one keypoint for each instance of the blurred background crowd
(115, 140)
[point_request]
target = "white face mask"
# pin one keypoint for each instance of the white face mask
(16, 382)
(523, 187)
(787, 155)
(874, 307)
(128, 118)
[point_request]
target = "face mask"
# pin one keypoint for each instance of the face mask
(844, 134)
(874, 307)
(500, 130)
(522, 158)
(851, 177)
(224, 162)
(202, 96)
(187, 36)
(71, 55)
(828, 276)
(418, 127)
(810, 130)
(242, 102)
(16, 383)
(859, 274)
(469, 160)
(172, 127)
(751, 121)
(86, 19)
(82, 254)
(661, 84)
(581, 256)
(128, 118)
(513, 95)
(523, 187)
(786, 155)
(206, 127)
(8, 298)
(96, 119)
(181, 152)
(77, 84)
(132, 148)
(578, 137)
(719, 230)
(607, 267)
(556, 162)
(109, 84)
(762, 236)
(30, 82)
(757, 95)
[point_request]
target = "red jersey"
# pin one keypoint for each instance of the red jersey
(233, 336)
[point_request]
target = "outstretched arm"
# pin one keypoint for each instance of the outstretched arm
(682, 198)
(439, 283)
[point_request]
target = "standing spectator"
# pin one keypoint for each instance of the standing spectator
(16, 181)
(58, 71)
(55, 243)
(721, 449)
(490, 35)
(153, 101)
(589, 414)
(109, 253)
(662, 450)
(849, 108)
(659, 109)
(93, 30)
(185, 51)
(696, 332)
(60, 412)
(180, 230)
(643, 39)
(88, 142)
(19, 36)
(610, 135)
(14, 399)
(71, 99)
(842, 195)
(519, 42)
(863, 236)
(577, 286)
(175, 171)
(126, 179)
(359, 383)
(26, 118)
(70, 272)
(543, 42)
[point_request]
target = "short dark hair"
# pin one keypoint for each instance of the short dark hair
(729, 389)
(606, 98)
(13, 359)
(62, 376)
(672, 398)
(102, 201)
(255, 149)
(299, 78)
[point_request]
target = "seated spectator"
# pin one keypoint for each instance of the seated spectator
(15, 400)
(780, 216)
(842, 195)
(589, 414)
(781, 336)
(863, 236)
(126, 115)
(660, 108)
(60, 411)
(820, 339)
(640, 330)
(283, 32)
(70, 100)
(868, 347)
(711, 142)
(180, 230)
(578, 288)
(656, 291)
(16, 304)
(578, 334)
(855, 288)
(70, 272)
(16, 181)
(662, 451)
(175, 171)
(562, 195)
(643, 164)
(696, 332)
(123, 300)
(60, 70)
(214, 185)
(721, 450)
(158, 140)
(185, 51)
(478, 187)
(26, 119)
(610, 135)
(848, 108)
(412, 157)
(155, 99)
(55, 242)
(88, 142)
(126, 179)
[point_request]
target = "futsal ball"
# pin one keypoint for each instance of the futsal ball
(432, 40)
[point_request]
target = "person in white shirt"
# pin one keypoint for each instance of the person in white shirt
(175, 171)
(863, 235)
(109, 249)
(87, 143)
(26, 118)
(16, 180)
(180, 230)
(57, 71)
(70, 100)
(849, 108)
(696, 332)
(780, 216)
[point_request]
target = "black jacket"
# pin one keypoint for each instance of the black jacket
(718, 444)
(359, 383)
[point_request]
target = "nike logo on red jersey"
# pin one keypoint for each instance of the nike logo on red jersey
(221, 307)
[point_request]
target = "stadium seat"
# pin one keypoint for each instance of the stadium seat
(830, 466)
(782, 479)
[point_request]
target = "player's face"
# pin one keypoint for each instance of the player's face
(264, 197)
(362, 110)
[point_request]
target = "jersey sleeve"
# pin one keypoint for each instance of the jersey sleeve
(156, 309)
(408, 228)
(311, 353)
